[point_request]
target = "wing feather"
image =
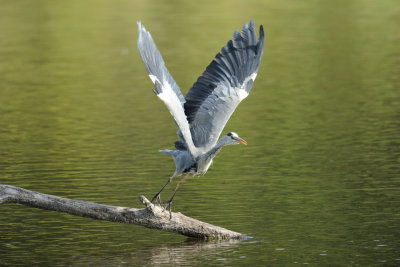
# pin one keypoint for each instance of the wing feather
(225, 82)
(165, 86)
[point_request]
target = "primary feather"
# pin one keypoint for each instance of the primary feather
(225, 82)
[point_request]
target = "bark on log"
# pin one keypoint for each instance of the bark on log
(153, 216)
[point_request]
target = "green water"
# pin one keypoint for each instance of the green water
(318, 183)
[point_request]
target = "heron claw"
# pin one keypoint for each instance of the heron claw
(169, 207)
(157, 198)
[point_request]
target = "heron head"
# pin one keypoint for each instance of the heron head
(234, 136)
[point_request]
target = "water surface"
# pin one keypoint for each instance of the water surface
(318, 183)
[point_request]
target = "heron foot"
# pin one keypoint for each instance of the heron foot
(157, 198)
(169, 207)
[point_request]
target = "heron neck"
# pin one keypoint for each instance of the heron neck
(214, 150)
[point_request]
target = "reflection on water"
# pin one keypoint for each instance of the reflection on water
(317, 184)
(167, 254)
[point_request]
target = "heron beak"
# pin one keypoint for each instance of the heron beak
(241, 141)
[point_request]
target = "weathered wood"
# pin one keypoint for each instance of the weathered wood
(153, 216)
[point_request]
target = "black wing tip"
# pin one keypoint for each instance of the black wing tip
(261, 38)
(261, 32)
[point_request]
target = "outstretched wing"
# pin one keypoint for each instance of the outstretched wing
(165, 86)
(225, 82)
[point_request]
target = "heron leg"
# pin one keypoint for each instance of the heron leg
(157, 197)
(169, 202)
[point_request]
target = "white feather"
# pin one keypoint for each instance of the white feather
(175, 107)
(153, 78)
(242, 93)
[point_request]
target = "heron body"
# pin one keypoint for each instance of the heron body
(202, 114)
(187, 163)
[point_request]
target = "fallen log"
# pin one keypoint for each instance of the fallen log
(153, 216)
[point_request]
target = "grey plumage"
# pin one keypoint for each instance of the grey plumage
(203, 113)
(154, 62)
(215, 95)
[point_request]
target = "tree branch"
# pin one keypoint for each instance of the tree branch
(153, 216)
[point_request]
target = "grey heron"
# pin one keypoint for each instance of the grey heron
(201, 115)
